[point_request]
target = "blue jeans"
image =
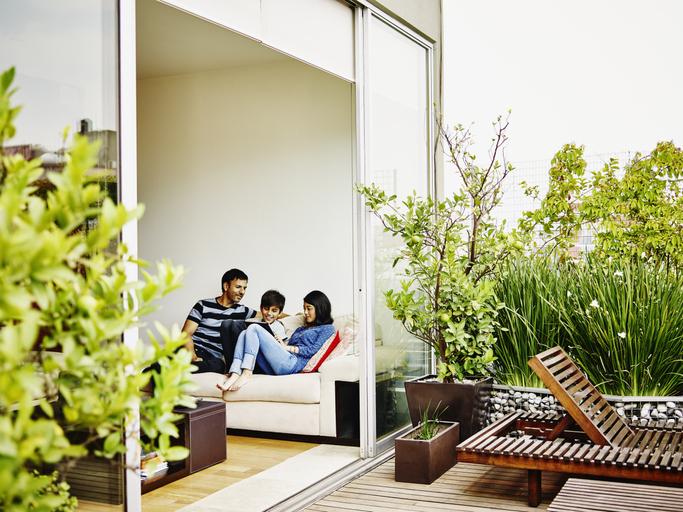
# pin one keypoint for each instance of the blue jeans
(256, 345)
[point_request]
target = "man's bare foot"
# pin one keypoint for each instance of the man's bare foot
(225, 386)
(241, 381)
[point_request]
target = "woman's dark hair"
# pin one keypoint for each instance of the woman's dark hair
(231, 275)
(323, 308)
(273, 298)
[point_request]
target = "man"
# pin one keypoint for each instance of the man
(204, 322)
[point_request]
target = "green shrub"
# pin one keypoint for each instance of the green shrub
(621, 322)
(67, 382)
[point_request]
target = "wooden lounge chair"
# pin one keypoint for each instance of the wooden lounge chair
(591, 439)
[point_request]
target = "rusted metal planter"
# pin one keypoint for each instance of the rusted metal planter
(423, 461)
(462, 402)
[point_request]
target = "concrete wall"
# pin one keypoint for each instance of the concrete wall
(248, 167)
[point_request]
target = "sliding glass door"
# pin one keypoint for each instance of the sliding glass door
(398, 124)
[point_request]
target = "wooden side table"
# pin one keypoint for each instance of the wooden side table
(202, 432)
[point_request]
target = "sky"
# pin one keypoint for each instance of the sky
(65, 58)
(606, 74)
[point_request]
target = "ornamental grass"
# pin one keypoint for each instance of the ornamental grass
(621, 322)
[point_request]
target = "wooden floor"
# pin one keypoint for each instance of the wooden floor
(247, 456)
(465, 488)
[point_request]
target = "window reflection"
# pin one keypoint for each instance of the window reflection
(65, 55)
(399, 164)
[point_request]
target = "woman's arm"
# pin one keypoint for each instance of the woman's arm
(309, 340)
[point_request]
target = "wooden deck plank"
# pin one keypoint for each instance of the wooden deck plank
(464, 488)
(591, 495)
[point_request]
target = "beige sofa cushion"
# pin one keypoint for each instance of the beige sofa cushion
(298, 388)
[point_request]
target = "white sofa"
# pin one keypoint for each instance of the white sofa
(302, 403)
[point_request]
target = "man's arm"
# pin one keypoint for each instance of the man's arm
(189, 327)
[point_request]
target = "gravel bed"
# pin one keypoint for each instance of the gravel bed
(639, 410)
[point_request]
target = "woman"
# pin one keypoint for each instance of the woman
(256, 345)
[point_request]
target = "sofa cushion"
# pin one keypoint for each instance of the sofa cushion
(292, 322)
(319, 357)
(298, 388)
(348, 329)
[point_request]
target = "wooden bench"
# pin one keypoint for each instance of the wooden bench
(592, 439)
(580, 495)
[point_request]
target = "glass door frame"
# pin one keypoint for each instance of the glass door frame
(363, 250)
(128, 194)
(364, 253)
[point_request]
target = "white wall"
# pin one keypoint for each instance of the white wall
(252, 168)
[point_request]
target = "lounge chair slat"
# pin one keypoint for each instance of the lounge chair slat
(644, 455)
(573, 448)
(666, 458)
(519, 442)
(555, 447)
(485, 444)
(633, 456)
(552, 361)
(643, 443)
(575, 376)
(590, 456)
(604, 450)
(584, 448)
(676, 461)
(500, 448)
(621, 436)
(572, 395)
(551, 352)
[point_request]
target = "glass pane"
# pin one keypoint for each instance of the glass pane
(65, 55)
(399, 164)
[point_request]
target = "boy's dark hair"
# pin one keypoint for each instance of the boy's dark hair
(323, 308)
(231, 275)
(273, 298)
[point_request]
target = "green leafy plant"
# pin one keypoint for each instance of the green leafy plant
(636, 212)
(451, 251)
(67, 382)
(621, 321)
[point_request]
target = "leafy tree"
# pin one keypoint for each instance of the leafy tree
(636, 212)
(451, 251)
(67, 382)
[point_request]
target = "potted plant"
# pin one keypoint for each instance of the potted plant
(451, 251)
(427, 451)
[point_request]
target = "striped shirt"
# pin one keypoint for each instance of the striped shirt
(208, 314)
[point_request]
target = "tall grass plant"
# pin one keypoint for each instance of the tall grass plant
(621, 322)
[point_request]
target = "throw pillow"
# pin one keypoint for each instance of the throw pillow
(319, 358)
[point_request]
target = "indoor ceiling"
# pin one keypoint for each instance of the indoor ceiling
(172, 42)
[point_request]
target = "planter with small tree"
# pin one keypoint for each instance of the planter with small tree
(452, 250)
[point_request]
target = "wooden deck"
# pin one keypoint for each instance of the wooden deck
(464, 488)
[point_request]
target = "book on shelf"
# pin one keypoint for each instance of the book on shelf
(152, 466)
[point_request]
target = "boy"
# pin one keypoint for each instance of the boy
(272, 304)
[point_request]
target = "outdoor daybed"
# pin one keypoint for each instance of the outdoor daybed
(591, 439)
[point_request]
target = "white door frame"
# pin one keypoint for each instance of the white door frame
(363, 243)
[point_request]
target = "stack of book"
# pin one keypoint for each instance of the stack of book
(152, 466)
